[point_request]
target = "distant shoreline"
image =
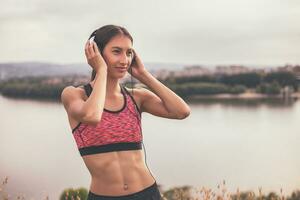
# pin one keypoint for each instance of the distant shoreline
(193, 98)
(246, 96)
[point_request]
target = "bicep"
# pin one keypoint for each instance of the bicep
(73, 104)
(152, 104)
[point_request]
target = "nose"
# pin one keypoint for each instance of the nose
(124, 59)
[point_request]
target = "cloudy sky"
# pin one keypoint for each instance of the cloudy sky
(258, 32)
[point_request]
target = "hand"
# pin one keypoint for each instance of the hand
(137, 67)
(94, 58)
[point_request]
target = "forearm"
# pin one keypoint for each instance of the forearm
(172, 102)
(95, 103)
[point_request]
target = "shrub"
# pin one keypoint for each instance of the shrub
(70, 193)
(267, 88)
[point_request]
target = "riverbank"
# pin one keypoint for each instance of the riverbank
(246, 96)
(193, 98)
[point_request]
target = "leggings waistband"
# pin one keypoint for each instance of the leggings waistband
(140, 194)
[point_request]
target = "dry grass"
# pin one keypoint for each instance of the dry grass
(221, 193)
(6, 196)
(185, 193)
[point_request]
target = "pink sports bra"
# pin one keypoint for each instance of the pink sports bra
(117, 130)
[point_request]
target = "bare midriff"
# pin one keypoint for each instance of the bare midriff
(118, 173)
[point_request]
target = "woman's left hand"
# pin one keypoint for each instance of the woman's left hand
(137, 67)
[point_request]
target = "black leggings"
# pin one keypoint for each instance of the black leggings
(149, 193)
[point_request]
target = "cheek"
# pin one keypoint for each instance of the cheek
(109, 59)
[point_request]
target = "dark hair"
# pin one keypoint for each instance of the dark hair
(104, 34)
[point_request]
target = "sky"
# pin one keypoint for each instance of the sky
(201, 32)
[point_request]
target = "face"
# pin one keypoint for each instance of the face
(118, 55)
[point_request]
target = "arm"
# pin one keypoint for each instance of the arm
(89, 111)
(159, 100)
(162, 101)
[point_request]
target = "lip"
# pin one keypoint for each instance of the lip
(121, 69)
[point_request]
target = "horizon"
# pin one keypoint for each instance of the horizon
(183, 65)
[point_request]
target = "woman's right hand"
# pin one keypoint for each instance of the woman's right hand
(93, 56)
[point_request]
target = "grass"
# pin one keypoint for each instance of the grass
(6, 196)
(183, 193)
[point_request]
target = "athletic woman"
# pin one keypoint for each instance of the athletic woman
(105, 117)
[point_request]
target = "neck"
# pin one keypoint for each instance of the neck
(112, 87)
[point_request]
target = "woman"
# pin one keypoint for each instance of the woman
(105, 117)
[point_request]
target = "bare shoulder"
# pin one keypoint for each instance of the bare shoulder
(140, 95)
(137, 94)
(71, 92)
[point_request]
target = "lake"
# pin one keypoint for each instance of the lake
(249, 144)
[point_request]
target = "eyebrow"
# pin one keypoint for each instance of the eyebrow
(121, 48)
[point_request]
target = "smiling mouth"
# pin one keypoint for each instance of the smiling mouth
(121, 69)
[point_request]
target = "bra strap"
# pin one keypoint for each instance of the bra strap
(135, 104)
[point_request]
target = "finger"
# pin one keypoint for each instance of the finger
(96, 48)
(86, 45)
(86, 49)
(90, 49)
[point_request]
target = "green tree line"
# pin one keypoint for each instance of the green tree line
(270, 83)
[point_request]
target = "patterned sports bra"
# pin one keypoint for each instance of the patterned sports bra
(116, 131)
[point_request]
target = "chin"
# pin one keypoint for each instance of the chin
(120, 75)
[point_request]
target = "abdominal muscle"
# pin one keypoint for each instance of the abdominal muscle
(118, 173)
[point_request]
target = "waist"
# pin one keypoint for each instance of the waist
(111, 171)
(113, 184)
(138, 193)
